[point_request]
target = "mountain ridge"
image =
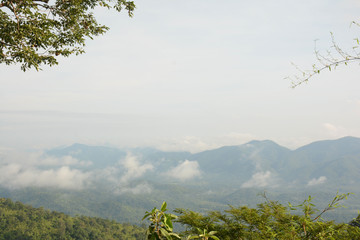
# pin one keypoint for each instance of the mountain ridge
(240, 163)
(130, 181)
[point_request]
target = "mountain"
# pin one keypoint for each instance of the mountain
(254, 164)
(239, 163)
(96, 156)
(122, 184)
(337, 160)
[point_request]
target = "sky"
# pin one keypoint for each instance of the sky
(191, 75)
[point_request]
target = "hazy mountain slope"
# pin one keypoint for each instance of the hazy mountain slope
(122, 184)
(337, 160)
(241, 162)
(98, 156)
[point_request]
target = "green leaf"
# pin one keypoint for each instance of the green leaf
(214, 237)
(146, 215)
(165, 233)
(168, 222)
(175, 235)
(163, 207)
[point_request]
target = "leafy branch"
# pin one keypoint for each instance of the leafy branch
(37, 32)
(160, 224)
(333, 204)
(203, 235)
(269, 220)
(334, 57)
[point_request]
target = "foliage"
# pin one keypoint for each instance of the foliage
(161, 226)
(356, 222)
(270, 220)
(334, 57)
(19, 221)
(203, 234)
(35, 32)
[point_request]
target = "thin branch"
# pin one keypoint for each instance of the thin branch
(317, 71)
(333, 204)
(334, 57)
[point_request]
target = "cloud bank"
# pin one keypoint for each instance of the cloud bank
(133, 168)
(142, 188)
(259, 179)
(185, 171)
(17, 176)
(22, 169)
(36, 169)
(317, 181)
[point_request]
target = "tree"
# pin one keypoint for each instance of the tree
(36, 32)
(334, 57)
(161, 226)
(19, 221)
(269, 220)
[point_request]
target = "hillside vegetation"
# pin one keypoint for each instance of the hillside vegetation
(269, 220)
(121, 184)
(19, 221)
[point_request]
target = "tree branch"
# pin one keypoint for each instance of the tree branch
(335, 56)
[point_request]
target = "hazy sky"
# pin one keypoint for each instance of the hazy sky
(191, 75)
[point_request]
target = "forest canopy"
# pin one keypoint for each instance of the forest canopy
(19, 221)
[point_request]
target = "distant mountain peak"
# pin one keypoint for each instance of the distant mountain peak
(78, 145)
(256, 142)
(344, 142)
(263, 144)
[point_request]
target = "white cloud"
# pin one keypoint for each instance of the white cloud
(187, 143)
(317, 181)
(197, 144)
(121, 175)
(133, 168)
(38, 159)
(23, 158)
(18, 176)
(334, 131)
(142, 188)
(24, 169)
(109, 174)
(330, 127)
(63, 161)
(185, 171)
(259, 179)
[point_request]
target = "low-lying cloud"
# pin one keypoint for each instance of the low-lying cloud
(130, 169)
(133, 168)
(185, 171)
(317, 181)
(259, 179)
(66, 160)
(39, 159)
(16, 176)
(142, 188)
(21, 169)
(335, 131)
(197, 144)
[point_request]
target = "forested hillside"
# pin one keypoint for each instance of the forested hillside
(121, 184)
(19, 221)
(269, 220)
